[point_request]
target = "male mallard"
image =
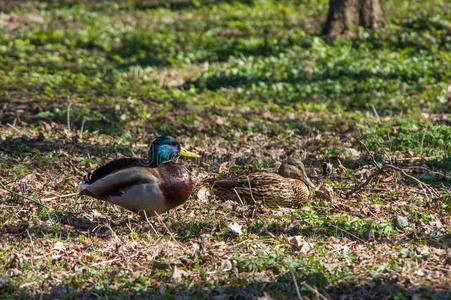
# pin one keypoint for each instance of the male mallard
(291, 187)
(156, 185)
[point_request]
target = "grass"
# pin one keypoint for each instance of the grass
(243, 83)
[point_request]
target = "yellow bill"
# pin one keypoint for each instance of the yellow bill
(184, 152)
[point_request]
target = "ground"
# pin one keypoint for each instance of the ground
(244, 84)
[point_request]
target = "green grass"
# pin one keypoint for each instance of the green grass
(242, 82)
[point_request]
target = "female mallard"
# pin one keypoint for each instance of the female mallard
(156, 185)
(289, 188)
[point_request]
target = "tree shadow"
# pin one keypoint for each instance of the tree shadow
(420, 25)
(26, 146)
(142, 52)
(177, 5)
(70, 226)
(422, 40)
(8, 6)
(228, 80)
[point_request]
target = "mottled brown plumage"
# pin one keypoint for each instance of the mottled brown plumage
(289, 188)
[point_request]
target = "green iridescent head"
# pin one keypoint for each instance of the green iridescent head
(166, 148)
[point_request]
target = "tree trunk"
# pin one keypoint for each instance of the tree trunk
(345, 15)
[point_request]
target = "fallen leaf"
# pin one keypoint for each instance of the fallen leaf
(355, 154)
(235, 227)
(203, 194)
(325, 192)
(224, 167)
(178, 274)
(299, 242)
(59, 246)
(226, 265)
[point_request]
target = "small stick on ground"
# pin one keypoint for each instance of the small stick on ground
(351, 234)
(20, 195)
(250, 189)
(315, 290)
(362, 185)
(376, 115)
(238, 195)
(58, 197)
(296, 285)
(82, 128)
(32, 248)
(422, 143)
(421, 184)
(68, 116)
(151, 226)
(171, 234)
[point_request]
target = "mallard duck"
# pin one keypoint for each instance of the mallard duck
(156, 185)
(289, 188)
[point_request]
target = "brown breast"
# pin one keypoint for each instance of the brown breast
(176, 184)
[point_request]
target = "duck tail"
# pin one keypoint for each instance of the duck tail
(87, 179)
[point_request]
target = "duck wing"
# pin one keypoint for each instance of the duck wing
(118, 181)
(252, 180)
(112, 167)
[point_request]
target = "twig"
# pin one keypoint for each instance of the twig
(151, 226)
(405, 174)
(238, 195)
(82, 128)
(116, 237)
(68, 116)
(315, 290)
(112, 260)
(31, 240)
(13, 126)
(446, 177)
(163, 77)
(296, 285)
(351, 234)
(362, 185)
(422, 185)
(32, 248)
(170, 232)
(105, 262)
(20, 195)
(250, 189)
(376, 115)
(58, 197)
(422, 141)
(369, 153)
(418, 158)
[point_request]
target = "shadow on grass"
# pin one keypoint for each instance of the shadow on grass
(223, 80)
(141, 50)
(26, 146)
(8, 5)
(180, 4)
(63, 225)
(420, 25)
(312, 285)
(106, 120)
